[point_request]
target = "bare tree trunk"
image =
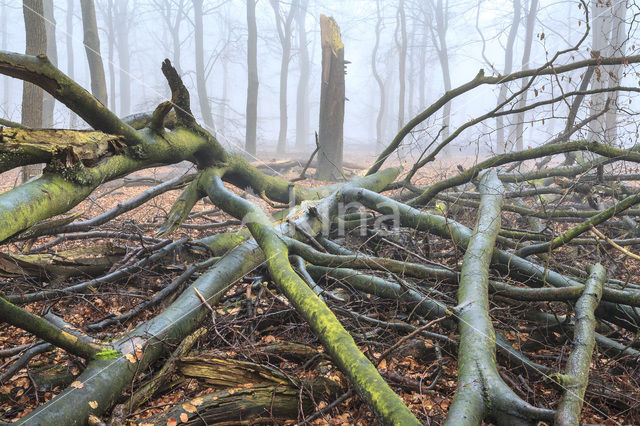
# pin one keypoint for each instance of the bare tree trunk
(92, 47)
(5, 36)
(439, 37)
(331, 101)
(422, 87)
(526, 55)
(284, 34)
(32, 95)
(302, 98)
(376, 75)
(508, 66)
(222, 106)
(401, 44)
(73, 118)
(600, 30)
(172, 24)
(52, 53)
(123, 21)
(411, 81)
(111, 46)
(201, 79)
(617, 44)
(252, 76)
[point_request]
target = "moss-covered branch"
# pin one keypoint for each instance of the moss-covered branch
(580, 229)
(480, 389)
(105, 380)
(387, 406)
(41, 72)
(21, 318)
(479, 80)
(528, 154)
(576, 376)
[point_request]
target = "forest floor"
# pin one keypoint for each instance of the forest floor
(252, 319)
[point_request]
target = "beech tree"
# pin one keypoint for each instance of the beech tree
(92, 47)
(284, 25)
(252, 79)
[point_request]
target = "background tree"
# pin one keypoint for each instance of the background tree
(73, 118)
(36, 44)
(4, 30)
(302, 95)
(173, 12)
(401, 44)
(201, 79)
(49, 102)
(284, 21)
(32, 95)
(617, 46)
(440, 13)
(106, 8)
(378, 78)
(526, 56)
(92, 48)
(252, 79)
(508, 67)
(124, 21)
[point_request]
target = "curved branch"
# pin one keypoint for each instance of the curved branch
(41, 72)
(480, 80)
(576, 374)
(387, 406)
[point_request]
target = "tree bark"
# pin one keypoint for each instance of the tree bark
(501, 142)
(332, 97)
(92, 47)
(401, 45)
(123, 23)
(252, 78)
(618, 47)
(73, 118)
(379, 81)
(283, 25)
(111, 47)
(526, 55)
(201, 79)
(5, 36)
(52, 53)
(302, 97)
(576, 376)
(32, 95)
(480, 389)
(439, 37)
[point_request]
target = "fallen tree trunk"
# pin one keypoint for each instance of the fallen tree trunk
(481, 391)
(104, 380)
(576, 376)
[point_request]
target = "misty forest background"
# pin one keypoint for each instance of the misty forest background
(423, 48)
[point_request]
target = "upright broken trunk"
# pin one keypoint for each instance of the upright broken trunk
(331, 101)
